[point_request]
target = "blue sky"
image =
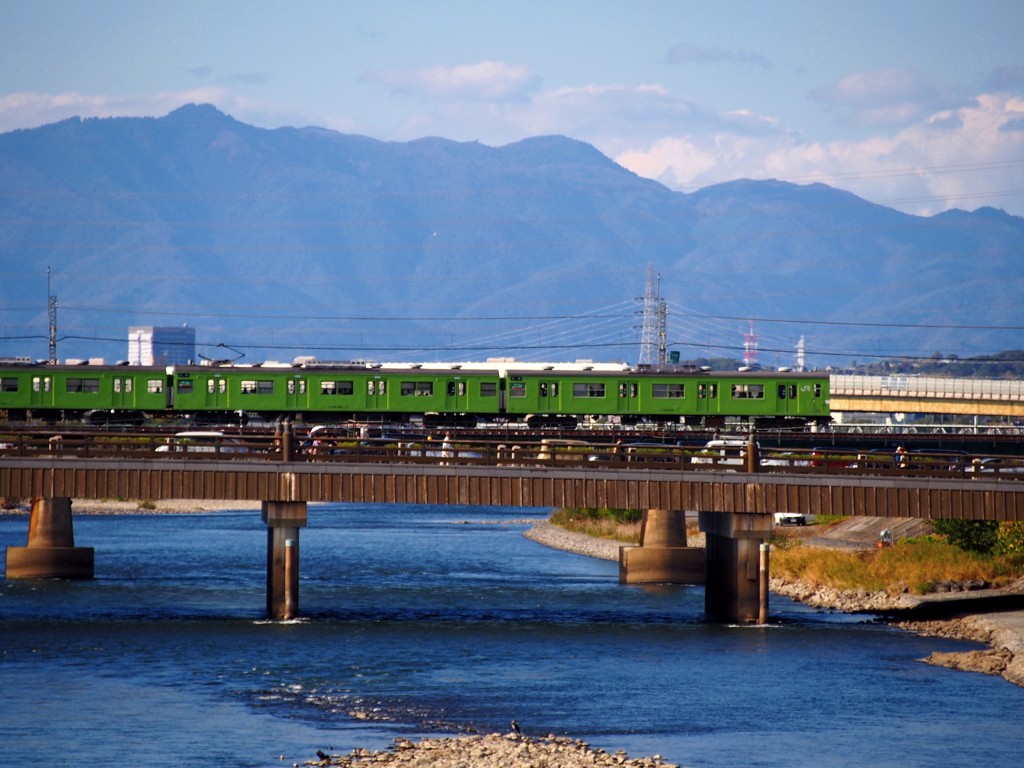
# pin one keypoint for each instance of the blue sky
(918, 105)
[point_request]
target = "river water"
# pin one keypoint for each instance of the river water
(422, 620)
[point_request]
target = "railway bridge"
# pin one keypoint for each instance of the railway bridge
(735, 508)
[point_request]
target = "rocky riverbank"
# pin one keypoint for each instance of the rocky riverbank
(492, 751)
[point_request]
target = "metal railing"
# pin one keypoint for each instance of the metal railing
(544, 453)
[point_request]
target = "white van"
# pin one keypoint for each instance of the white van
(731, 453)
(201, 442)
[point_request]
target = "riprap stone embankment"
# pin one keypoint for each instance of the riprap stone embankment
(492, 751)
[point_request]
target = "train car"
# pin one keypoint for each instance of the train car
(669, 396)
(436, 395)
(74, 391)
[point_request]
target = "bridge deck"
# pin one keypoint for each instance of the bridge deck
(877, 496)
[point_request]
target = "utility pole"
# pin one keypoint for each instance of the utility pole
(51, 301)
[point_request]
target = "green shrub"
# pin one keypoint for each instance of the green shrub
(1010, 539)
(969, 535)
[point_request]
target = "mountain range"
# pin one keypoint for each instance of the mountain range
(296, 241)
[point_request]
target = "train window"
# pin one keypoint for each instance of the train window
(817, 390)
(554, 389)
(35, 384)
(792, 391)
(265, 387)
(127, 385)
(488, 389)
(371, 387)
(462, 389)
(712, 391)
(8, 385)
(222, 386)
(211, 386)
(382, 388)
(782, 391)
(302, 386)
(451, 389)
(588, 389)
(622, 389)
(117, 385)
(421, 388)
(634, 389)
(155, 386)
(669, 390)
(83, 385)
(543, 389)
(185, 386)
(517, 389)
(748, 391)
(291, 386)
(338, 388)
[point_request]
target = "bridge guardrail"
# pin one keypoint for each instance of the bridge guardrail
(553, 453)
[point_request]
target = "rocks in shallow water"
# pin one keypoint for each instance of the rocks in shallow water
(990, 662)
(492, 751)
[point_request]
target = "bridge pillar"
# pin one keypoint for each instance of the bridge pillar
(662, 556)
(51, 552)
(733, 591)
(283, 520)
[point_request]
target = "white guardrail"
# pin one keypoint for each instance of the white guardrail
(926, 387)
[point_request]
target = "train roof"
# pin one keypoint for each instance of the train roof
(491, 367)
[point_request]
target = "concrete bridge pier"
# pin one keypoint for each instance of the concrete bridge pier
(662, 556)
(283, 520)
(51, 552)
(734, 592)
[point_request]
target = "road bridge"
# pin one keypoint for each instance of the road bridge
(736, 507)
(926, 394)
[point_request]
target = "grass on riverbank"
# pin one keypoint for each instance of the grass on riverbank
(915, 564)
(615, 524)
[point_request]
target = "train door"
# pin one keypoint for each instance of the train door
(707, 397)
(124, 393)
(548, 400)
(217, 393)
(629, 397)
(295, 394)
(42, 391)
(376, 394)
(786, 402)
(456, 395)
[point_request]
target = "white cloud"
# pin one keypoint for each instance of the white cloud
(685, 53)
(888, 97)
(484, 81)
(955, 158)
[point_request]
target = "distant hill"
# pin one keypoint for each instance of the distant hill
(381, 249)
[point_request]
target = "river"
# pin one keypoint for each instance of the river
(420, 620)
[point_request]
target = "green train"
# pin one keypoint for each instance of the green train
(435, 395)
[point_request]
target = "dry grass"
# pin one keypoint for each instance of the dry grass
(600, 527)
(916, 564)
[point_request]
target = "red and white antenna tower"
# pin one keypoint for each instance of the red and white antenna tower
(750, 347)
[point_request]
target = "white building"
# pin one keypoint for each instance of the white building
(148, 345)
